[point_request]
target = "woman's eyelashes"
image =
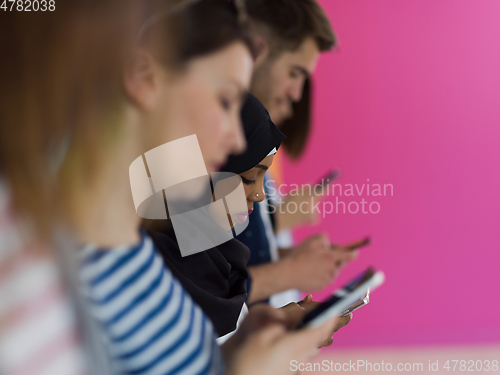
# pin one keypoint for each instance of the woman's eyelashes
(226, 104)
(229, 100)
(246, 181)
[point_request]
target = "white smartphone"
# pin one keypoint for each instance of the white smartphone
(356, 305)
(343, 298)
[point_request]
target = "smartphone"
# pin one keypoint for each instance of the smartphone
(328, 177)
(343, 298)
(357, 305)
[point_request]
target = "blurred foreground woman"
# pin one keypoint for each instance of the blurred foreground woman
(53, 65)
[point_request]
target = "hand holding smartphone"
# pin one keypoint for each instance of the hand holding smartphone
(343, 299)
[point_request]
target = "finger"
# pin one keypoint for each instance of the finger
(351, 255)
(342, 322)
(321, 239)
(263, 314)
(335, 258)
(325, 240)
(357, 244)
(317, 334)
(312, 305)
(344, 257)
(308, 299)
(307, 339)
(326, 342)
(295, 313)
(262, 309)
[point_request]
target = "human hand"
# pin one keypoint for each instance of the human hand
(295, 312)
(315, 263)
(264, 344)
(312, 265)
(347, 253)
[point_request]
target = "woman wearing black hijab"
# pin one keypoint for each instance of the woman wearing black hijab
(216, 278)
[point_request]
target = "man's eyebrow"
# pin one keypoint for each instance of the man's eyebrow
(262, 166)
(303, 70)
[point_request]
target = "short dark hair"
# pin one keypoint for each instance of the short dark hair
(287, 23)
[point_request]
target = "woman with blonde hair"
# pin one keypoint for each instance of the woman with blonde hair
(53, 63)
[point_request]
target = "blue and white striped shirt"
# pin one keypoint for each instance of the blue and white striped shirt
(151, 324)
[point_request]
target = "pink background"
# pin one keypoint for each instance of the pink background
(412, 98)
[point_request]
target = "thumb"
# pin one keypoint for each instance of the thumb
(322, 240)
(306, 301)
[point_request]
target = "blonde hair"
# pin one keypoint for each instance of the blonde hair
(61, 80)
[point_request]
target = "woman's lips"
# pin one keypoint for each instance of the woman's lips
(241, 218)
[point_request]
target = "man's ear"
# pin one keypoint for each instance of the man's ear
(140, 80)
(262, 49)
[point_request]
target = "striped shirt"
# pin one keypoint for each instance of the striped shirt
(150, 324)
(38, 327)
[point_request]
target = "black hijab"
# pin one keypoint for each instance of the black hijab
(216, 278)
(261, 134)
